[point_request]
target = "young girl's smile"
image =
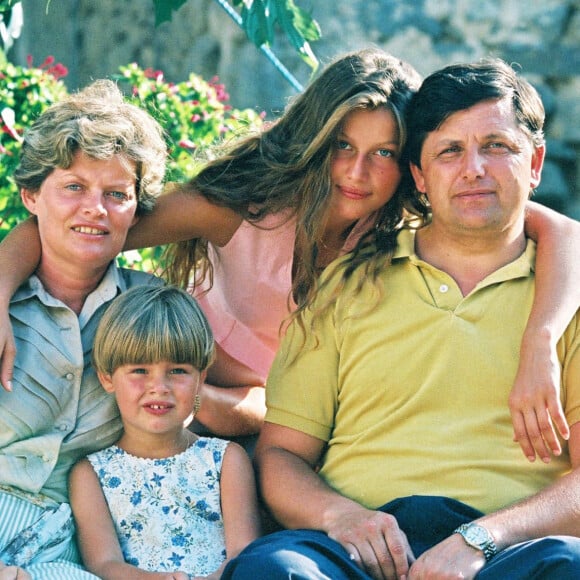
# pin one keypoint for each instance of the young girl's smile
(155, 398)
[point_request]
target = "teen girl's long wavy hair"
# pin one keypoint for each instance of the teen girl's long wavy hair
(286, 170)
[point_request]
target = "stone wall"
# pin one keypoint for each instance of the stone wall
(93, 38)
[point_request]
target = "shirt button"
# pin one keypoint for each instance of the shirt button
(63, 427)
(69, 376)
(443, 288)
(46, 458)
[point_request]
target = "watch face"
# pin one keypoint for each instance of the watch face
(476, 535)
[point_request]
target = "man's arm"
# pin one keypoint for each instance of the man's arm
(534, 401)
(553, 511)
(299, 498)
(19, 256)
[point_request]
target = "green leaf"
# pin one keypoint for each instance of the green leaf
(7, 5)
(164, 9)
(255, 23)
(305, 24)
(298, 26)
(260, 17)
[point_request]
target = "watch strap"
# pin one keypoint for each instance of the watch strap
(488, 546)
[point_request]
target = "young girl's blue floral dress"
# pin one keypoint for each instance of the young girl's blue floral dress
(167, 512)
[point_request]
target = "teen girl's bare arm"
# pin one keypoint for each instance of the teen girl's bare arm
(183, 214)
(19, 257)
(535, 398)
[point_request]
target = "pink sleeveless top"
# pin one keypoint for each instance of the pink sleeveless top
(250, 296)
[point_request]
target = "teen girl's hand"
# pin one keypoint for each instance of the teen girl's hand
(7, 352)
(13, 573)
(534, 401)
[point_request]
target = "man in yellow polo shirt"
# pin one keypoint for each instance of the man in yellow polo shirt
(387, 448)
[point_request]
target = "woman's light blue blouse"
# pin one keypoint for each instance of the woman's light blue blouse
(57, 411)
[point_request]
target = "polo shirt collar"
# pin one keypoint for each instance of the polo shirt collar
(521, 267)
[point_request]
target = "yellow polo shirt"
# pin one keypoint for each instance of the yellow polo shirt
(412, 396)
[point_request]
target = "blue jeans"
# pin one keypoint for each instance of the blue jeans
(312, 555)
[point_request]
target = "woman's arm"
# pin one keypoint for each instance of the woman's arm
(97, 539)
(233, 399)
(12, 572)
(19, 256)
(534, 401)
(182, 214)
(231, 411)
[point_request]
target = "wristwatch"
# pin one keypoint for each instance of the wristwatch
(479, 538)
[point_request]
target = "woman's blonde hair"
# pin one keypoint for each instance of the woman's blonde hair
(96, 121)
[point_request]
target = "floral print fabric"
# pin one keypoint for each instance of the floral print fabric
(167, 512)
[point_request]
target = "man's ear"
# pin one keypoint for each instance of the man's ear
(106, 381)
(136, 218)
(417, 174)
(538, 157)
(29, 199)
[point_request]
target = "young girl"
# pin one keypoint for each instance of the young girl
(162, 502)
(326, 179)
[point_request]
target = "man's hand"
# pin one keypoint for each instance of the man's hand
(374, 541)
(534, 401)
(451, 558)
(7, 351)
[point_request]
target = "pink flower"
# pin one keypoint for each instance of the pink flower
(58, 71)
(153, 74)
(187, 144)
(47, 62)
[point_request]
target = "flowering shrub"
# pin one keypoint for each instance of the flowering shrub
(25, 92)
(194, 114)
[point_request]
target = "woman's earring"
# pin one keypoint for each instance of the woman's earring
(196, 405)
